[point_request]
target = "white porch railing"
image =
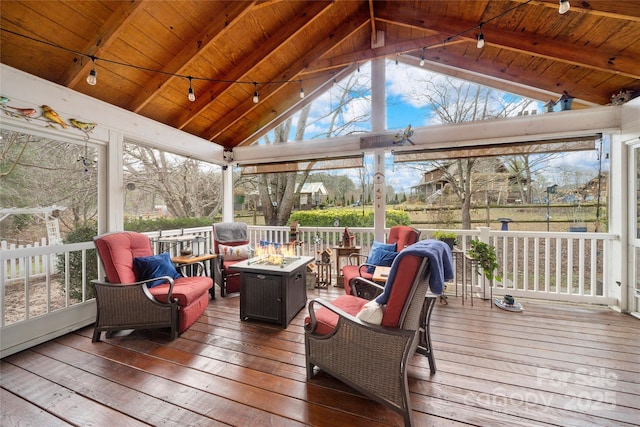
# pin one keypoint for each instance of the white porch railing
(555, 266)
(565, 266)
(35, 299)
(561, 266)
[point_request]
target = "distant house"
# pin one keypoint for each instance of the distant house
(312, 195)
(589, 191)
(491, 179)
(431, 184)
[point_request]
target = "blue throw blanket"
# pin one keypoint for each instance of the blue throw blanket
(440, 264)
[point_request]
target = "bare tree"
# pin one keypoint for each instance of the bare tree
(278, 191)
(457, 101)
(33, 169)
(186, 186)
(522, 168)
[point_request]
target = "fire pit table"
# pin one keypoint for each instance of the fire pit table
(272, 289)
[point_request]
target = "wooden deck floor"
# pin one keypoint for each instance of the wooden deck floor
(553, 364)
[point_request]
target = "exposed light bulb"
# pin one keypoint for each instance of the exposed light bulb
(396, 59)
(191, 96)
(564, 6)
(301, 92)
(92, 78)
(422, 58)
(256, 97)
(480, 41)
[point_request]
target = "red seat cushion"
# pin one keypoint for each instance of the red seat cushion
(185, 289)
(327, 319)
(351, 271)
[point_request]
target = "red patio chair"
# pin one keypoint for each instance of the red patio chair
(143, 291)
(369, 357)
(231, 244)
(401, 235)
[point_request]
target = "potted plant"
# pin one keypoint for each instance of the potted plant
(449, 237)
(485, 257)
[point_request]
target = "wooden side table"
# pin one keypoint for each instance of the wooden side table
(342, 258)
(381, 274)
(183, 260)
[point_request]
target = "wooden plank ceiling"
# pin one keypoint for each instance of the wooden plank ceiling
(145, 51)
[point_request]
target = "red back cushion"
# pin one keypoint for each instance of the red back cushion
(403, 236)
(405, 275)
(117, 251)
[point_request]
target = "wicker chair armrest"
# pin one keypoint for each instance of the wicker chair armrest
(184, 268)
(343, 315)
(376, 337)
(365, 265)
(365, 288)
(370, 283)
(357, 259)
(141, 284)
(218, 269)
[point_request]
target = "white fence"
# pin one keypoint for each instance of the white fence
(36, 280)
(15, 268)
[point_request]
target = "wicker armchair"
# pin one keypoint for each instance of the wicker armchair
(373, 358)
(401, 235)
(123, 302)
(226, 236)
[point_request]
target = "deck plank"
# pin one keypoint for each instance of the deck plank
(551, 365)
(17, 411)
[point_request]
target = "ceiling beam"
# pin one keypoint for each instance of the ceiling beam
(180, 62)
(454, 135)
(310, 96)
(380, 52)
(530, 44)
(240, 71)
(520, 76)
(325, 43)
(374, 35)
(105, 36)
(625, 10)
(530, 92)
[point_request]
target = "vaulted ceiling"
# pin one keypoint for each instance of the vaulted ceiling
(145, 51)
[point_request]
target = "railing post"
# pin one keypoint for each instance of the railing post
(484, 234)
(484, 237)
